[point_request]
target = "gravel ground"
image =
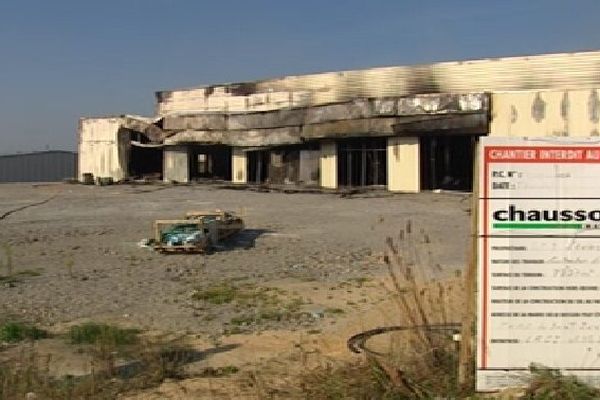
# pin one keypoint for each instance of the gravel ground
(74, 251)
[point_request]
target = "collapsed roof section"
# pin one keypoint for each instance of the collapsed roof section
(146, 126)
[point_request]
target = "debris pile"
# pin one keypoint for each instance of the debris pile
(198, 232)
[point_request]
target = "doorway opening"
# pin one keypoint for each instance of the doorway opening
(145, 162)
(210, 162)
(362, 162)
(447, 162)
(258, 166)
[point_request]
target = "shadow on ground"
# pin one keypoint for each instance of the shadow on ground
(173, 358)
(245, 239)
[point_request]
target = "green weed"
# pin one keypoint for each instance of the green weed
(222, 293)
(13, 332)
(8, 259)
(548, 384)
(93, 333)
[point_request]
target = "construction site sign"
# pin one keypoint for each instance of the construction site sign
(538, 259)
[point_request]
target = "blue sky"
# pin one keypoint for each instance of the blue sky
(63, 59)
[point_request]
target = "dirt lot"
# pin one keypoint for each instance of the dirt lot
(307, 263)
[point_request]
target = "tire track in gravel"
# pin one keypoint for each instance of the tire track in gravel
(15, 210)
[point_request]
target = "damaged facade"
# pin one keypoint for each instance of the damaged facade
(403, 128)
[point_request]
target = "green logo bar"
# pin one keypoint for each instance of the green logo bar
(536, 225)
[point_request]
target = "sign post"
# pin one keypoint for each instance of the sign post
(538, 259)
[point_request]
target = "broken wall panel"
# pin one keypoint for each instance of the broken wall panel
(205, 121)
(190, 136)
(246, 138)
(449, 124)
(265, 137)
(441, 103)
(385, 106)
(349, 128)
(360, 117)
(264, 120)
(145, 126)
(355, 109)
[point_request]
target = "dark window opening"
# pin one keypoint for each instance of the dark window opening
(285, 165)
(447, 162)
(258, 166)
(210, 162)
(204, 164)
(362, 162)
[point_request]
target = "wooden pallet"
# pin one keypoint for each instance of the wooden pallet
(180, 249)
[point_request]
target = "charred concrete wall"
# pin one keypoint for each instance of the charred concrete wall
(538, 72)
(355, 118)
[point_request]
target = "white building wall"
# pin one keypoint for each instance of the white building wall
(102, 151)
(546, 113)
(176, 164)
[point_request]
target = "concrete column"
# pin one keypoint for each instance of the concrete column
(403, 166)
(239, 165)
(176, 166)
(328, 165)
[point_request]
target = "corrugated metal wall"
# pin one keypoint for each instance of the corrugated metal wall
(47, 166)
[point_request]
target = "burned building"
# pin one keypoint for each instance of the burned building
(405, 128)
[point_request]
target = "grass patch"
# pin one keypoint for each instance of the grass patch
(16, 277)
(261, 316)
(8, 258)
(252, 305)
(243, 295)
(13, 332)
(222, 293)
(361, 280)
(155, 362)
(334, 311)
(9, 279)
(219, 372)
(93, 333)
(235, 330)
(271, 310)
(352, 381)
(551, 384)
(29, 272)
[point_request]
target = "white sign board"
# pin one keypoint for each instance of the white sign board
(539, 259)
